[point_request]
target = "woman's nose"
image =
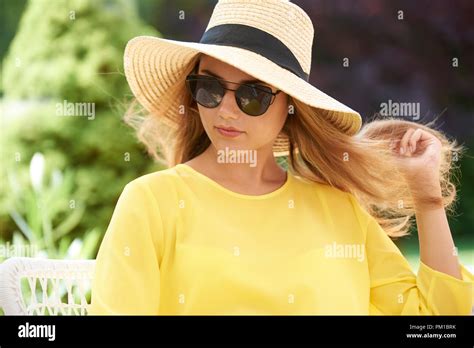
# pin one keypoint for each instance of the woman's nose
(228, 107)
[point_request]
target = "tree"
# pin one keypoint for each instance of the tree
(72, 52)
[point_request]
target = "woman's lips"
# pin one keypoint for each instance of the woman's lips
(229, 132)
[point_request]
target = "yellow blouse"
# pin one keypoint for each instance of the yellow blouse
(180, 243)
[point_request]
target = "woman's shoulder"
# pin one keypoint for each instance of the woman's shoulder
(156, 178)
(333, 198)
(159, 185)
(153, 196)
(320, 188)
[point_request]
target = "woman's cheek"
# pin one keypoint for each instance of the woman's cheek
(206, 118)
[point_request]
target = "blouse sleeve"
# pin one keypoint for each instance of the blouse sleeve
(127, 271)
(395, 289)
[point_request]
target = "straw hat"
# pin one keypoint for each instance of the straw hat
(270, 40)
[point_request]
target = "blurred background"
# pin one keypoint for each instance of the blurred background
(61, 175)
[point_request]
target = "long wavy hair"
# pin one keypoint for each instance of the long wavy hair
(363, 164)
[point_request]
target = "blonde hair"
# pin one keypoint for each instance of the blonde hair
(362, 165)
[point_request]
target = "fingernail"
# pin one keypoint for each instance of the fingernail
(402, 150)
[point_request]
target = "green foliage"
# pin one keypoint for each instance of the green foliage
(68, 51)
(72, 50)
(9, 17)
(45, 213)
(282, 161)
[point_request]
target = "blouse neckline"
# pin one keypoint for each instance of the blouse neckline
(189, 169)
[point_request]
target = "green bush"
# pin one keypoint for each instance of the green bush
(70, 50)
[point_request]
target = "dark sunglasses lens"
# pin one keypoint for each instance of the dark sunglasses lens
(206, 91)
(254, 101)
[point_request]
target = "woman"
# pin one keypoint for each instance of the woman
(226, 230)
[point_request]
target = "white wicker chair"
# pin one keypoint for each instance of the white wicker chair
(46, 282)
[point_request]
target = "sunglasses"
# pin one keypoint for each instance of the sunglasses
(208, 91)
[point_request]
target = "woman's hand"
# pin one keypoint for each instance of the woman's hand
(418, 155)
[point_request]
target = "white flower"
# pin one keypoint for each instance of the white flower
(74, 250)
(37, 171)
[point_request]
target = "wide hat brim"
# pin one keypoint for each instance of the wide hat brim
(156, 70)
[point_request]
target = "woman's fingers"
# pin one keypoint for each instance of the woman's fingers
(415, 137)
(404, 141)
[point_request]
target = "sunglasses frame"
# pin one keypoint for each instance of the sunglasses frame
(197, 77)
